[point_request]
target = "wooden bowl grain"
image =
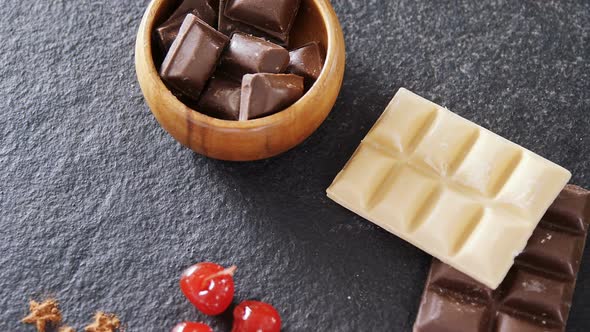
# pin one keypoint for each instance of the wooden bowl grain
(253, 139)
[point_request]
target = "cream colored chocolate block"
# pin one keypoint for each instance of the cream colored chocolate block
(489, 163)
(449, 223)
(399, 129)
(490, 250)
(450, 187)
(404, 187)
(363, 176)
(448, 138)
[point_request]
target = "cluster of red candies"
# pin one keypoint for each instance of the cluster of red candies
(210, 288)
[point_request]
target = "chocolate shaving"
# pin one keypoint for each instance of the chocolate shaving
(104, 322)
(43, 314)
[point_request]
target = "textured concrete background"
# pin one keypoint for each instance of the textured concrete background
(102, 209)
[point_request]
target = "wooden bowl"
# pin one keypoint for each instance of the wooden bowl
(253, 139)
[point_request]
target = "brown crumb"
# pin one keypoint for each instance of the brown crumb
(66, 329)
(43, 314)
(104, 323)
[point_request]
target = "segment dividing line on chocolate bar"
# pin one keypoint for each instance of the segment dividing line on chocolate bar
(425, 209)
(406, 161)
(423, 129)
(537, 293)
(406, 157)
(377, 195)
(506, 174)
(469, 228)
(448, 186)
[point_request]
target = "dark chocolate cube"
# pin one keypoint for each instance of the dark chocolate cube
(193, 56)
(221, 98)
(306, 61)
(167, 31)
(200, 8)
(228, 26)
(265, 94)
(274, 17)
(249, 55)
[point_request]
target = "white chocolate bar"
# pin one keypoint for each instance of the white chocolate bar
(448, 186)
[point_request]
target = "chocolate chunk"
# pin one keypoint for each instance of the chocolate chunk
(537, 293)
(228, 26)
(249, 55)
(200, 8)
(274, 17)
(265, 94)
(193, 56)
(306, 61)
(221, 98)
(215, 5)
(167, 32)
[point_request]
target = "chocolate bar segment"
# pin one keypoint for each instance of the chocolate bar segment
(568, 212)
(167, 32)
(508, 323)
(458, 315)
(275, 17)
(221, 98)
(306, 61)
(247, 54)
(265, 94)
(193, 56)
(537, 293)
(450, 187)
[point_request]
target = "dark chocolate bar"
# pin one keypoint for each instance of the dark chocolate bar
(193, 56)
(265, 94)
(247, 54)
(536, 295)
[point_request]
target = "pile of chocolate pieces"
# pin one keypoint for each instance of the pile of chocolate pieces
(243, 70)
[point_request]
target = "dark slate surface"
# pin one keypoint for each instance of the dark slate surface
(102, 209)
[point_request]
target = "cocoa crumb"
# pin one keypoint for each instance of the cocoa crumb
(104, 323)
(43, 314)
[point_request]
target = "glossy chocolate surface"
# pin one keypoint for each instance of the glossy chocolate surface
(193, 56)
(537, 293)
(221, 98)
(167, 31)
(228, 26)
(247, 54)
(200, 8)
(306, 61)
(265, 94)
(275, 17)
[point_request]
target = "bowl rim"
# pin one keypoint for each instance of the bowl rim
(144, 40)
